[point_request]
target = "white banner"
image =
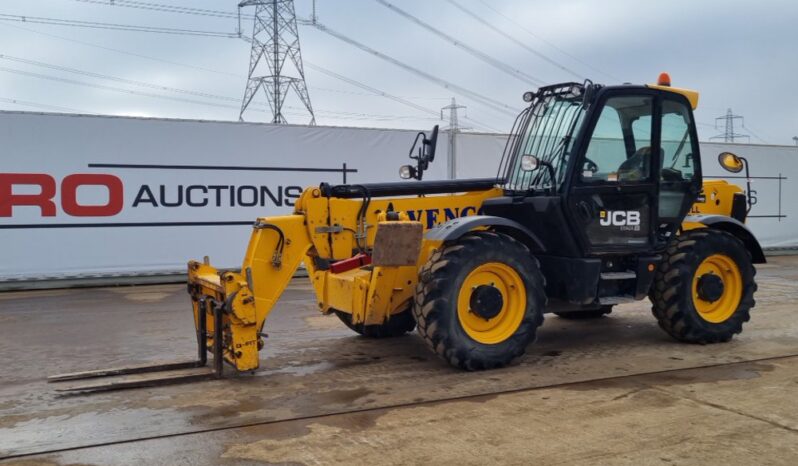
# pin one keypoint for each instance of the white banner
(92, 196)
(96, 196)
(774, 172)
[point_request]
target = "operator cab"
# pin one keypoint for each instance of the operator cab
(603, 176)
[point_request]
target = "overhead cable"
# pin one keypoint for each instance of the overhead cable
(169, 8)
(492, 103)
(526, 47)
(501, 66)
(113, 26)
(549, 43)
(28, 103)
(109, 88)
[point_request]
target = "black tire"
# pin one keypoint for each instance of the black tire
(672, 291)
(580, 315)
(397, 325)
(440, 280)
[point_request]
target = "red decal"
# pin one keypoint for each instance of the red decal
(44, 199)
(69, 192)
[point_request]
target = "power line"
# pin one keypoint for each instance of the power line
(27, 103)
(364, 117)
(554, 46)
(113, 26)
(377, 92)
(501, 66)
(124, 52)
(109, 88)
(380, 93)
(117, 79)
(754, 134)
(358, 115)
(371, 90)
(492, 103)
(487, 24)
(336, 114)
(168, 8)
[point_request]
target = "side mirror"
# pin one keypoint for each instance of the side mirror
(735, 164)
(430, 144)
(426, 154)
(731, 162)
(529, 163)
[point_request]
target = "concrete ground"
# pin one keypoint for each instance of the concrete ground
(613, 390)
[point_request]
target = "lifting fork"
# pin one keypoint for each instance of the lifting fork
(179, 372)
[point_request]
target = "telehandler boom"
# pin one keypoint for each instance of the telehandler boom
(598, 201)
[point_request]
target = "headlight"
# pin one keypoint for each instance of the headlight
(406, 172)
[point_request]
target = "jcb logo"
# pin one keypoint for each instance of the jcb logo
(619, 218)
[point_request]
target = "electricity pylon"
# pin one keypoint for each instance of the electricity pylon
(275, 63)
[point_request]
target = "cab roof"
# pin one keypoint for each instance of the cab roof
(692, 96)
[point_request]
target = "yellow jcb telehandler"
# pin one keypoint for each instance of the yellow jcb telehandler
(598, 201)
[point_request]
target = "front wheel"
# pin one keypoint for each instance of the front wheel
(480, 300)
(704, 290)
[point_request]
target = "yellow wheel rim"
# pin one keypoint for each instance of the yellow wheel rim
(508, 315)
(722, 308)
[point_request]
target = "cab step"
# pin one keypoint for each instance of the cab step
(628, 275)
(613, 300)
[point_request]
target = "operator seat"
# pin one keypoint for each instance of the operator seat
(638, 166)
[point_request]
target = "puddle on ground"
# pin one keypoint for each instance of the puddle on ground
(301, 370)
(32, 294)
(322, 322)
(714, 374)
(146, 297)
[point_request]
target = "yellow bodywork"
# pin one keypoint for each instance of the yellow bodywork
(716, 199)
(322, 231)
(692, 96)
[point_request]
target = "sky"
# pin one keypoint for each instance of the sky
(738, 55)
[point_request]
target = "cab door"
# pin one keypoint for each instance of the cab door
(680, 172)
(613, 195)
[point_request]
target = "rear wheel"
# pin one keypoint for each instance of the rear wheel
(704, 290)
(397, 325)
(480, 300)
(591, 314)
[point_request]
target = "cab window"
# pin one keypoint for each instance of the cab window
(677, 143)
(620, 146)
(678, 162)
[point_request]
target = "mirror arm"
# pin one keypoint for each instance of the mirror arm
(748, 184)
(550, 168)
(415, 143)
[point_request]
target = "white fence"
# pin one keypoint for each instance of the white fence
(92, 196)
